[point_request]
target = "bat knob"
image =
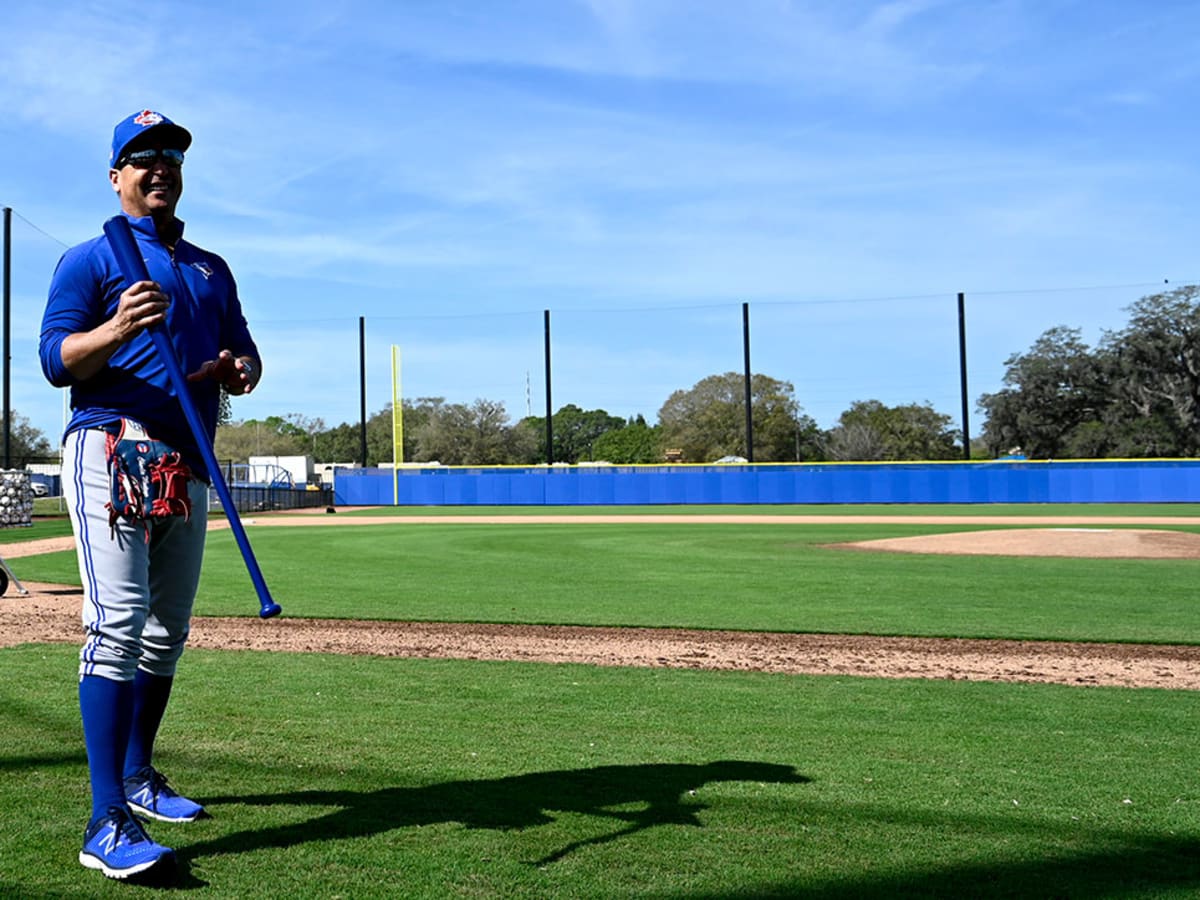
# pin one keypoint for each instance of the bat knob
(269, 610)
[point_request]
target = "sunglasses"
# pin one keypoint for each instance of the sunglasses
(144, 159)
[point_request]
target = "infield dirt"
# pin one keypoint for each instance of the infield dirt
(51, 614)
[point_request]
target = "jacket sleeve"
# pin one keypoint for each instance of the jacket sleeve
(236, 333)
(75, 304)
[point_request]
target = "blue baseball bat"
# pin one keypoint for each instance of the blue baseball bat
(133, 268)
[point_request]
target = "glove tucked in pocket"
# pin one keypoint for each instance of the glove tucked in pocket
(149, 478)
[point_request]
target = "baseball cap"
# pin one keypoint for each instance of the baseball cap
(143, 123)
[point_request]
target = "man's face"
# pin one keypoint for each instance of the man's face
(150, 186)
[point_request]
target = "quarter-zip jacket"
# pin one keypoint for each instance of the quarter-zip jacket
(204, 317)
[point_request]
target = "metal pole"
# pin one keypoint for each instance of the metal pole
(962, 369)
(362, 390)
(7, 337)
(549, 407)
(746, 355)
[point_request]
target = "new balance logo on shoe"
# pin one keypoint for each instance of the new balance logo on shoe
(148, 794)
(108, 842)
(116, 845)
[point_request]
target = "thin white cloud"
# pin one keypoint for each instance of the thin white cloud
(889, 17)
(374, 158)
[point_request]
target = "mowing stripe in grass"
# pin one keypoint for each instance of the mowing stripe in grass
(743, 577)
(380, 777)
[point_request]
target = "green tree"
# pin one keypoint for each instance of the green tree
(379, 437)
(709, 420)
(634, 442)
(307, 428)
(575, 432)
(1136, 395)
(871, 430)
(343, 443)
(272, 436)
(340, 444)
(417, 414)
(476, 434)
(1054, 397)
(1154, 374)
(26, 444)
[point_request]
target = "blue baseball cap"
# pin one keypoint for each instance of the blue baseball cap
(147, 122)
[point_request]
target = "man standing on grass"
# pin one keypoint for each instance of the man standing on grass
(134, 478)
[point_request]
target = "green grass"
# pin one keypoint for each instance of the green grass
(42, 527)
(368, 777)
(744, 577)
(800, 509)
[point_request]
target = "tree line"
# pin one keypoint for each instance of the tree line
(1136, 394)
(26, 444)
(702, 424)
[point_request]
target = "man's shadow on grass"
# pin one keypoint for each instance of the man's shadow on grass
(659, 792)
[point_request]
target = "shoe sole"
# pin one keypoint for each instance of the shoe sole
(151, 814)
(88, 861)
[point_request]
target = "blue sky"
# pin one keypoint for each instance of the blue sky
(449, 170)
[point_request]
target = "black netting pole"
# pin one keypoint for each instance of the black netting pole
(362, 389)
(746, 356)
(549, 407)
(962, 369)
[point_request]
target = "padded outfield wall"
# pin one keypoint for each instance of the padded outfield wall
(1092, 481)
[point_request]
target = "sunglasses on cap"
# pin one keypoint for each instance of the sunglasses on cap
(144, 159)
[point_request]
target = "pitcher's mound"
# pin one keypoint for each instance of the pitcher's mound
(1107, 543)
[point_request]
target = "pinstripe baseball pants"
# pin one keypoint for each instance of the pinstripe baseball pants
(138, 586)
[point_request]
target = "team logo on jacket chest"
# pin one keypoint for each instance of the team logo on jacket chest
(203, 268)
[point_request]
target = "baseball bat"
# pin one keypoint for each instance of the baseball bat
(133, 268)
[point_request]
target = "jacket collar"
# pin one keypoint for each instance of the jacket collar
(143, 226)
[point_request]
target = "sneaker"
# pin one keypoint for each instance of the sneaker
(117, 845)
(148, 794)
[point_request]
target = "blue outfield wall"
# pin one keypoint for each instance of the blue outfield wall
(1091, 481)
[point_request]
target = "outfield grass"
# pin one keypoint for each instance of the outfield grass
(801, 509)
(363, 777)
(42, 527)
(743, 577)
(369, 777)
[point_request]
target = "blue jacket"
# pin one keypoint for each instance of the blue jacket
(204, 317)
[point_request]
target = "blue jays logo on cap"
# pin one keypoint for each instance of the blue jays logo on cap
(142, 124)
(147, 117)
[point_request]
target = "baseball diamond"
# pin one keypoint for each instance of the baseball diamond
(51, 613)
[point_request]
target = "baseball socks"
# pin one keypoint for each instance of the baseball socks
(146, 789)
(113, 841)
(150, 696)
(106, 707)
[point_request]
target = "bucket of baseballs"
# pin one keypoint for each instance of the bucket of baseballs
(16, 499)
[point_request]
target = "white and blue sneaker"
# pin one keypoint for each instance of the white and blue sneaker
(148, 794)
(118, 846)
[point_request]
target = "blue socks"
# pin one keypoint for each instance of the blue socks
(106, 707)
(150, 695)
(120, 722)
